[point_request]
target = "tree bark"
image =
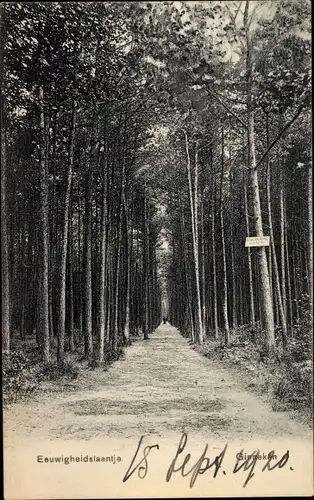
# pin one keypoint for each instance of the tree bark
(267, 306)
(118, 259)
(187, 272)
(71, 341)
(88, 261)
(223, 249)
(203, 281)
(128, 249)
(272, 250)
(213, 229)
(64, 246)
(4, 227)
(310, 240)
(103, 257)
(193, 209)
(145, 267)
(43, 303)
(251, 286)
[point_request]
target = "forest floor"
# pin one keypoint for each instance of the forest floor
(162, 387)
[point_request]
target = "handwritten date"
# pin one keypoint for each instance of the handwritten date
(183, 464)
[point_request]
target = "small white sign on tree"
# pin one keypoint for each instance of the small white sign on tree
(257, 241)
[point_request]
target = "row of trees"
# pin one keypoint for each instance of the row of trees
(79, 237)
(229, 275)
(127, 123)
(238, 138)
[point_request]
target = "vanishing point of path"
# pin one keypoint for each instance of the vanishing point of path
(161, 389)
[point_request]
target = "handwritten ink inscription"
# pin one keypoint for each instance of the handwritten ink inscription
(142, 466)
(183, 464)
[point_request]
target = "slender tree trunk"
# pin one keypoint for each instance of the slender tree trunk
(310, 240)
(215, 299)
(295, 279)
(223, 249)
(234, 301)
(145, 267)
(43, 304)
(267, 306)
(116, 297)
(287, 259)
(129, 244)
(71, 287)
(225, 283)
(203, 281)
(109, 296)
(118, 261)
(251, 286)
(103, 258)
(137, 284)
(88, 263)
(80, 267)
(272, 250)
(282, 248)
(65, 234)
(194, 219)
(269, 208)
(196, 247)
(52, 252)
(5, 273)
(187, 273)
(4, 239)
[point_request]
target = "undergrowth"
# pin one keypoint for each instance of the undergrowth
(286, 376)
(23, 371)
(18, 376)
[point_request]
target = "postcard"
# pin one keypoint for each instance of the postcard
(157, 249)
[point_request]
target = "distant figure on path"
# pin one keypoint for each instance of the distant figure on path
(164, 320)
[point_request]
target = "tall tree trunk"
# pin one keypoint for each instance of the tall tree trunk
(187, 272)
(310, 240)
(109, 295)
(233, 273)
(103, 258)
(251, 287)
(272, 249)
(88, 261)
(52, 249)
(71, 343)
(223, 249)
(225, 283)
(116, 296)
(287, 259)
(215, 298)
(145, 267)
(194, 219)
(80, 267)
(267, 306)
(43, 302)
(128, 249)
(203, 280)
(65, 234)
(136, 287)
(4, 234)
(269, 207)
(119, 250)
(282, 248)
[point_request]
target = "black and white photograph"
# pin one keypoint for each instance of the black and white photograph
(156, 249)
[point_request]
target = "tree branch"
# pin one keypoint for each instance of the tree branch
(227, 107)
(288, 124)
(220, 101)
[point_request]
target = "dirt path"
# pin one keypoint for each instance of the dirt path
(162, 388)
